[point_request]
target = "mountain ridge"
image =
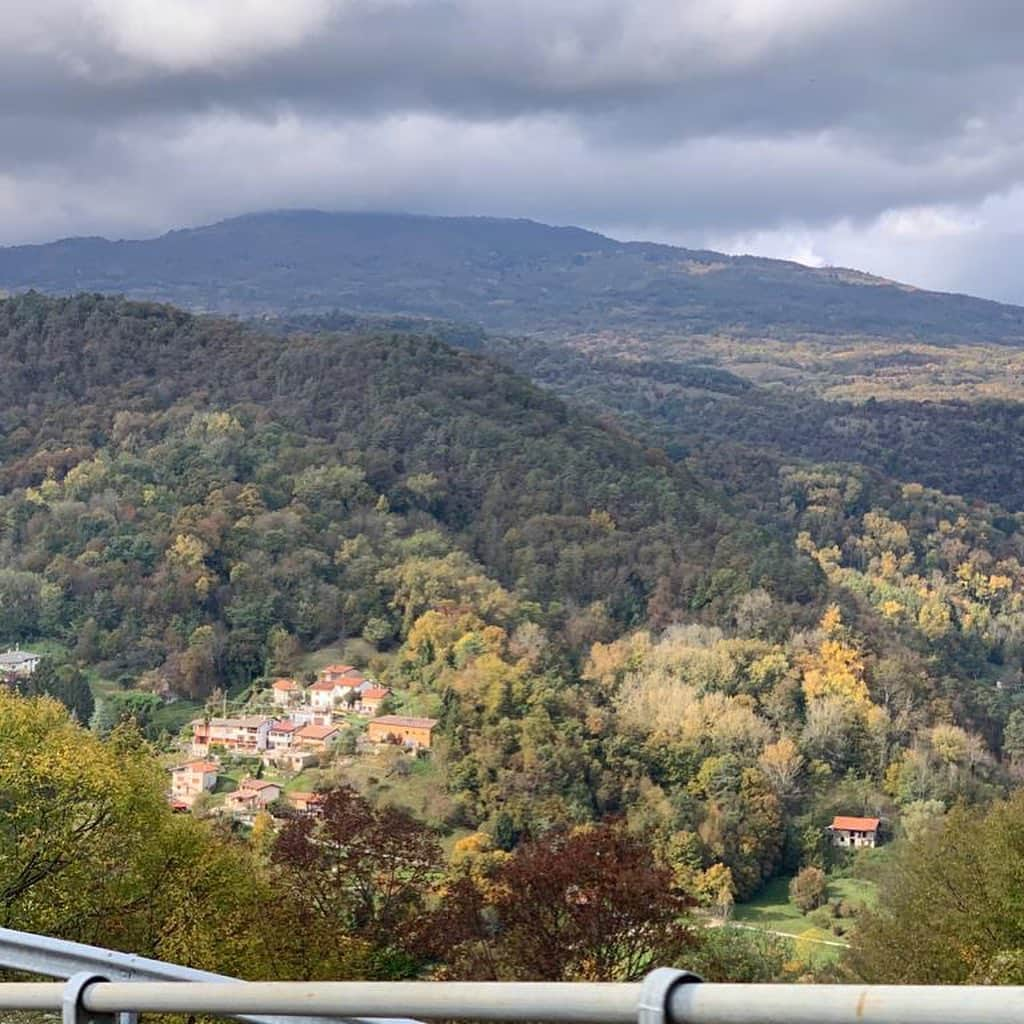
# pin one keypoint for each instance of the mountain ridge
(512, 275)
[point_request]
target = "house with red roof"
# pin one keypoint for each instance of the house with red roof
(282, 735)
(322, 695)
(317, 737)
(372, 699)
(329, 693)
(333, 673)
(253, 795)
(854, 832)
(285, 692)
(190, 779)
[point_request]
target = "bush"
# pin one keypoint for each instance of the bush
(821, 918)
(808, 889)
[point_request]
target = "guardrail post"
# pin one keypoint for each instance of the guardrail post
(72, 1009)
(655, 991)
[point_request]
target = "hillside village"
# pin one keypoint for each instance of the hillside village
(304, 727)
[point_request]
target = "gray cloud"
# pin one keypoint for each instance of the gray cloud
(887, 131)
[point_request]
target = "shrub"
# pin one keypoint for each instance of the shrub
(808, 889)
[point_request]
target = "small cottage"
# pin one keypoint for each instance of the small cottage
(18, 664)
(372, 699)
(854, 832)
(316, 737)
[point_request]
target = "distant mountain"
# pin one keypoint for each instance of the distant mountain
(506, 275)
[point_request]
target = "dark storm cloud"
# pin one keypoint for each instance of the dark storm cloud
(728, 120)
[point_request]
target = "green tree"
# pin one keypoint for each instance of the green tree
(950, 907)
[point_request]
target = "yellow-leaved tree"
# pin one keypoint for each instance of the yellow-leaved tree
(90, 850)
(836, 668)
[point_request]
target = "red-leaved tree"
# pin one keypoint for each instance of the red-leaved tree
(591, 904)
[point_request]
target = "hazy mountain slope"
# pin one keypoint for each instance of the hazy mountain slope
(509, 275)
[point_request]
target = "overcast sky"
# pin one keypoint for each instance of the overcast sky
(882, 134)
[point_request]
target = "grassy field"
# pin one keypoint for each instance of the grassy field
(772, 911)
(354, 651)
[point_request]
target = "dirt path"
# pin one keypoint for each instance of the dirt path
(784, 935)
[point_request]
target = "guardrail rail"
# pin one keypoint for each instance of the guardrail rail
(107, 984)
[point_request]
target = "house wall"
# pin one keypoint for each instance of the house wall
(408, 734)
(852, 838)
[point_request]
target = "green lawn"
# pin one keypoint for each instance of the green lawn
(772, 911)
(854, 890)
(301, 783)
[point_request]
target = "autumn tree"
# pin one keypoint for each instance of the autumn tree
(836, 668)
(90, 851)
(587, 905)
(808, 889)
(359, 871)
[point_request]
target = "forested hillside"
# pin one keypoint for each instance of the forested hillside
(164, 475)
(508, 275)
(948, 420)
(671, 672)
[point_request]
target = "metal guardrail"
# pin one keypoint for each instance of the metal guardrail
(104, 983)
(663, 997)
(58, 958)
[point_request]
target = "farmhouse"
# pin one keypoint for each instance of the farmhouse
(399, 729)
(282, 735)
(307, 803)
(854, 832)
(322, 695)
(371, 700)
(335, 673)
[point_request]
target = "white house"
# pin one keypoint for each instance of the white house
(191, 779)
(322, 695)
(854, 832)
(18, 663)
(281, 735)
(286, 692)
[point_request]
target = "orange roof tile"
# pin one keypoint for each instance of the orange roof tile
(197, 766)
(286, 684)
(405, 721)
(316, 732)
(256, 784)
(855, 824)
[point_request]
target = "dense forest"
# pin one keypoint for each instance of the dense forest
(666, 669)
